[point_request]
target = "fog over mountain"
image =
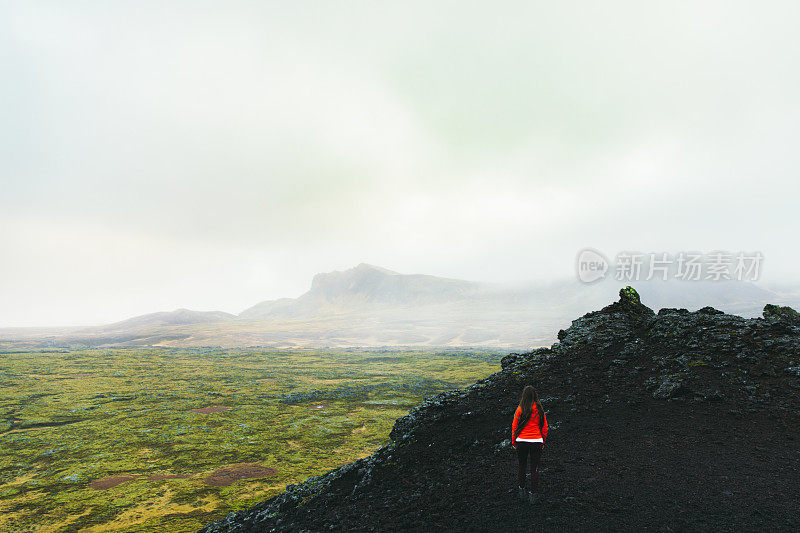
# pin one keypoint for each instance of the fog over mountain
(209, 155)
(367, 286)
(370, 306)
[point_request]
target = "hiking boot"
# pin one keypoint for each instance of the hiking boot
(522, 495)
(533, 497)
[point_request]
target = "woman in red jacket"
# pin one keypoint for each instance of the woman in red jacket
(528, 433)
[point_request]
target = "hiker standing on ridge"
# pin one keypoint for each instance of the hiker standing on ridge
(528, 433)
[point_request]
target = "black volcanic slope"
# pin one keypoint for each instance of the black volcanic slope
(672, 422)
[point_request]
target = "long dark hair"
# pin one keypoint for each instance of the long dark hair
(526, 401)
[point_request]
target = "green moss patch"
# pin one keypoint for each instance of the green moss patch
(127, 439)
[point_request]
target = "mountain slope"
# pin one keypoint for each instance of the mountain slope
(676, 421)
(365, 286)
(179, 317)
(372, 306)
(368, 288)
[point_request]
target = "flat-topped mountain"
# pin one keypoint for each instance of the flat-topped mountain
(668, 421)
(374, 284)
(372, 306)
(365, 285)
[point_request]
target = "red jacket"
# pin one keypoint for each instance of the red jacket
(531, 429)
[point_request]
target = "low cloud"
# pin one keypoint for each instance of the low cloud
(210, 156)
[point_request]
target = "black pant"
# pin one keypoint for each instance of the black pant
(535, 451)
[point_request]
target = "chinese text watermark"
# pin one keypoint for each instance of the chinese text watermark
(592, 265)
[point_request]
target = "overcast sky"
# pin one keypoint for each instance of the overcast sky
(156, 155)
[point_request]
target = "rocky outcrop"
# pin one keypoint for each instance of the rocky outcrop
(782, 315)
(646, 400)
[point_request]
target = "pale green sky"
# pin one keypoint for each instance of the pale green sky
(209, 155)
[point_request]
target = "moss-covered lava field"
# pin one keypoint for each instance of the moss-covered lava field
(171, 439)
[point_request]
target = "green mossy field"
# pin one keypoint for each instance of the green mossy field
(172, 439)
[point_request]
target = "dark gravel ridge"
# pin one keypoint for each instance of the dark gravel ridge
(676, 421)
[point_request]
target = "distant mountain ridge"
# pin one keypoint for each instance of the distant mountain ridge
(372, 306)
(365, 285)
(172, 318)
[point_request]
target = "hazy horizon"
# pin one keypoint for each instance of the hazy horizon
(204, 156)
(549, 286)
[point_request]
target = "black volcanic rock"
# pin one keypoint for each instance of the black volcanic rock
(786, 315)
(676, 421)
